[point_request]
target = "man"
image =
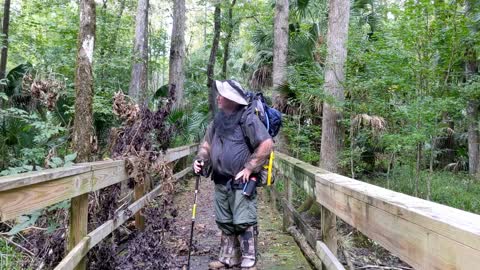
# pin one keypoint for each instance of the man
(236, 145)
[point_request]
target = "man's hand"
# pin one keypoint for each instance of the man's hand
(197, 166)
(244, 174)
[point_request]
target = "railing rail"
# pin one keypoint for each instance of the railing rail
(25, 193)
(425, 234)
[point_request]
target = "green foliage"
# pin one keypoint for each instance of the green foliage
(453, 189)
(10, 258)
(302, 138)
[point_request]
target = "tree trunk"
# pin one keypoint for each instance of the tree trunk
(339, 13)
(418, 167)
(83, 122)
(211, 61)
(473, 150)
(176, 74)
(6, 24)
(471, 68)
(138, 83)
(228, 39)
(280, 50)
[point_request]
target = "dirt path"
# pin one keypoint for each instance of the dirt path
(277, 249)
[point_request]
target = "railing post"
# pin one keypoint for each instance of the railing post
(287, 219)
(78, 225)
(329, 229)
(139, 191)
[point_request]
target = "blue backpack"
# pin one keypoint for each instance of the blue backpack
(270, 117)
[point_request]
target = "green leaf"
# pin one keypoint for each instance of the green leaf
(70, 157)
(27, 221)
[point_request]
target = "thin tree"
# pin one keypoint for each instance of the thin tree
(176, 74)
(280, 49)
(83, 122)
(6, 24)
(138, 83)
(228, 39)
(337, 35)
(211, 61)
(471, 68)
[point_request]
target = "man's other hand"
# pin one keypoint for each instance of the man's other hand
(244, 175)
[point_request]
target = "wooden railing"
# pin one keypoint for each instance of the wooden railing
(25, 193)
(422, 233)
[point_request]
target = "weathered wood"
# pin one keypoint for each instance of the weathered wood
(307, 250)
(97, 235)
(26, 179)
(310, 234)
(329, 229)
(413, 243)
(330, 262)
(287, 217)
(25, 193)
(301, 173)
(139, 191)
(78, 225)
(182, 173)
(179, 152)
(31, 178)
(424, 234)
(27, 199)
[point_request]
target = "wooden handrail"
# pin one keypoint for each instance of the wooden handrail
(97, 235)
(425, 234)
(25, 193)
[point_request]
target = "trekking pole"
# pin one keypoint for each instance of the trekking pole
(194, 211)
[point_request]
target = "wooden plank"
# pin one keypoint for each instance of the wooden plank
(415, 244)
(138, 192)
(30, 178)
(330, 262)
(97, 235)
(311, 235)
(329, 229)
(78, 223)
(452, 223)
(27, 199)
(301, 173)
(310, 254)
(26, 179)
(287, 218)
(179, 152)
(182, 173)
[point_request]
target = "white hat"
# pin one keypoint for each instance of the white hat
(232, 90)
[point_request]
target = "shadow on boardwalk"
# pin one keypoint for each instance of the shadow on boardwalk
(277, 249)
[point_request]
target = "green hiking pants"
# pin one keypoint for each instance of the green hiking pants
(234, 212)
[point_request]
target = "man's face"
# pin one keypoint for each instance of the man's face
(225, 103)
(220, 100)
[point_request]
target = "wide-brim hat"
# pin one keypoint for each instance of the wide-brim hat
(232, 90)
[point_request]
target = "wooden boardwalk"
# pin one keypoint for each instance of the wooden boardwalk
(277, 249)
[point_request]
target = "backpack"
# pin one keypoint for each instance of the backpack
(272, 119)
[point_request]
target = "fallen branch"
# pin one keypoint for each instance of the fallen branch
(305, 247)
